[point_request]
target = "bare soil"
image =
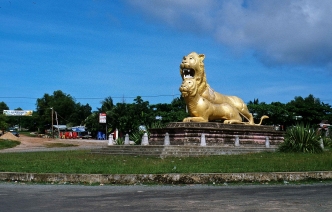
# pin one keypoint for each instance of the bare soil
(33, 143)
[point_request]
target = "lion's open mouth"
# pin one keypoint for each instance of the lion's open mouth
(188, 73)
(184, 93)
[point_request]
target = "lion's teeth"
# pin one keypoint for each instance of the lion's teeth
(188, 76)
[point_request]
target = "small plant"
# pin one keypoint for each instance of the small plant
(119, 141)
(301, 138)
(137, 137)
(327, 141)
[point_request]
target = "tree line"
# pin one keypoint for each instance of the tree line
(308, 110)
(127, 117)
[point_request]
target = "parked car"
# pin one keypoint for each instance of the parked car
(14, 131)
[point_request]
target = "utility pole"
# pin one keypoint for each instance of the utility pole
(57, 123)
(52, 123)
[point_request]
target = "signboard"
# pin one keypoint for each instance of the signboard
(78, 129)
(102, 118)
(17, 112)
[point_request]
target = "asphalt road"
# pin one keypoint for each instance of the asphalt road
(28, 197)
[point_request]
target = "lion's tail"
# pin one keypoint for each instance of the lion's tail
(262, 118)
(249, 121)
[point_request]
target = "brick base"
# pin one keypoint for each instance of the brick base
(216, 134)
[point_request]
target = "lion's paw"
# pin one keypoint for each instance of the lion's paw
(187, 119)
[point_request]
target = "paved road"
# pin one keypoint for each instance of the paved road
(18, 197)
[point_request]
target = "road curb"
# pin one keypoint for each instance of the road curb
(172, 178)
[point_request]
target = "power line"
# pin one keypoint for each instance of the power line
(121, 97)
(10, 97)
(116, 97)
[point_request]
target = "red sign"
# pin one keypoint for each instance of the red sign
(102, 118)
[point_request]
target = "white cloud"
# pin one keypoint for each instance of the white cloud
(295, 32)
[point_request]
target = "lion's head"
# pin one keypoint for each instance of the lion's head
(188, 87)
(192, 67)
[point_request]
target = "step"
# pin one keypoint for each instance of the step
(180, 151)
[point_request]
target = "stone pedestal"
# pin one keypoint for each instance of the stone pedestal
(216, 134)
(145, 140)
(126, 141)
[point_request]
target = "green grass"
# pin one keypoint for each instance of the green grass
(85, 162)
(4, 143)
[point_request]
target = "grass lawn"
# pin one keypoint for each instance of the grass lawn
(82, 161)
(4, 144)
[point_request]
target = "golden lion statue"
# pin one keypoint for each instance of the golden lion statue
(196, 104)
(203, 102)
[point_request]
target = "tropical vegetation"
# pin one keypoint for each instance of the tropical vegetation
(128, 117)
(302, 138)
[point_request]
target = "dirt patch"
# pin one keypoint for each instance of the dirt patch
(9, 136)
(29, 143)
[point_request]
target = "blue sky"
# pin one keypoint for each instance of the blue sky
(272, 50)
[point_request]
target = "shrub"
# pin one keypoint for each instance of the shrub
(119, 141)
(137, 135)
(327, 141)
(301, 138)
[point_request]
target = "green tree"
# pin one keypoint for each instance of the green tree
(14, 120)
(106, 105)
(309, 110)
(258, 110)
(142, 112)
(30, 122)
(80, 113)
(3, 119)
(174, 112)
(67, 111)
(128, 117)
(92, 121)
(3, 106)
(122, 118)
(278, 115)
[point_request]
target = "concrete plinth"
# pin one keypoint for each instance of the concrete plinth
(216, 134)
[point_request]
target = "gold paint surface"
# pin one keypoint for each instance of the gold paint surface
(204, 104)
